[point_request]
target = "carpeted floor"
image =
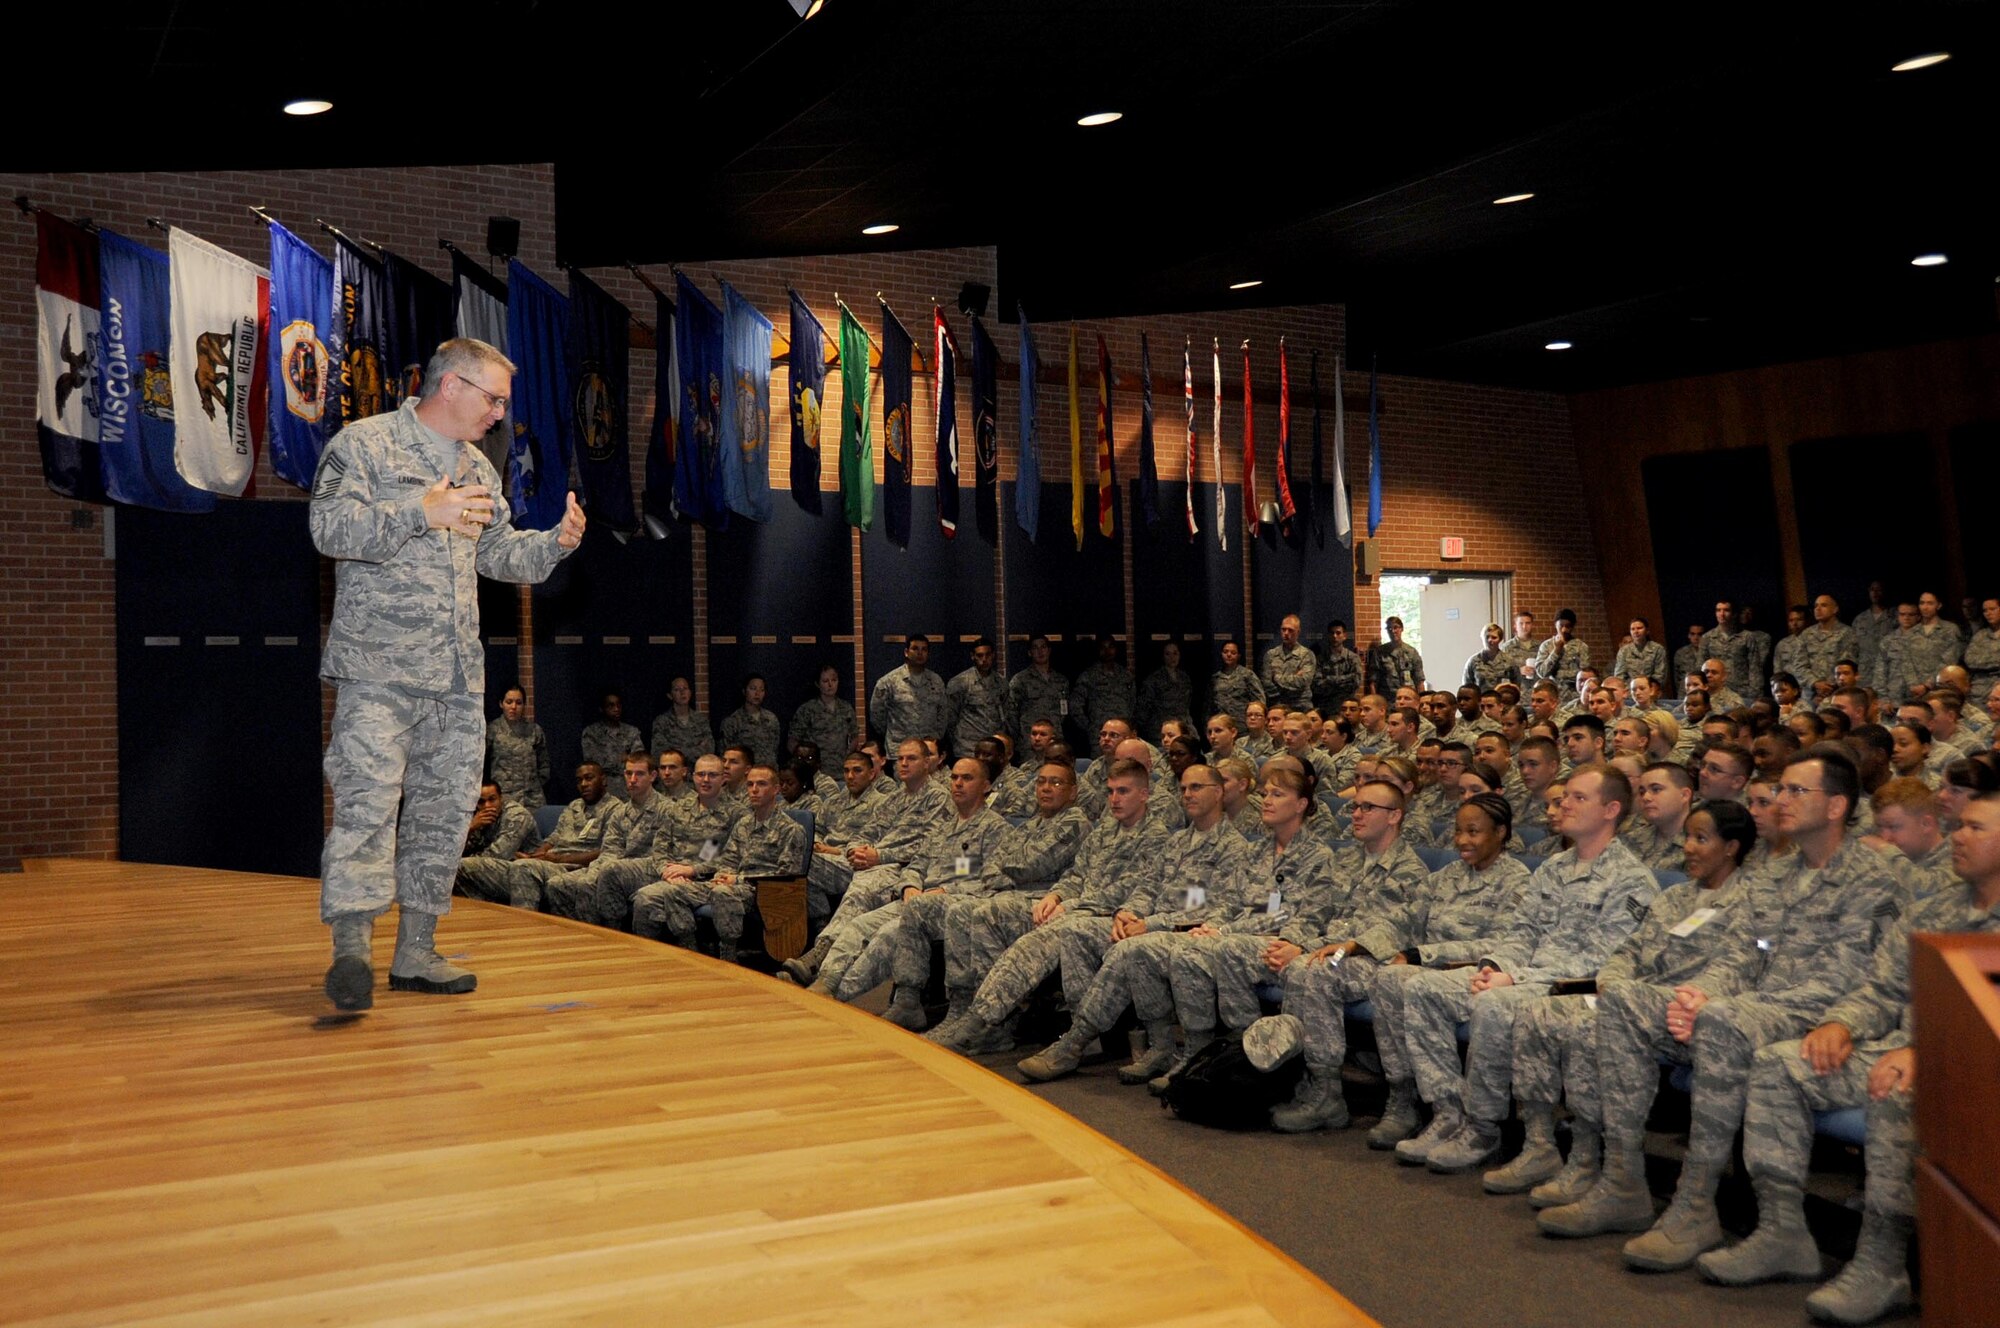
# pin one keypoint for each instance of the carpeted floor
(1417, 1250)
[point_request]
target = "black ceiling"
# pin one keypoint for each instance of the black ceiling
(1715, 185)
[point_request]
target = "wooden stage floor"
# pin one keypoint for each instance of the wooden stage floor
(609, 1131)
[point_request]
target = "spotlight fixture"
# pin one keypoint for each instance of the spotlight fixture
(1245, 285)
(1929, 260)
(1097, 118)
(1557, 345)
(1916, 62)
(1512, 198)
(880, 228)
(308, 106)
(805, 9)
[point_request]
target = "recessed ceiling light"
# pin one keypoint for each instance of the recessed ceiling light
(1929, 260)
(1097, 118)
(308, 106)
(1245, 285)
(1513, 198)
(1920, 62)
(1557, 345)
(880, 228)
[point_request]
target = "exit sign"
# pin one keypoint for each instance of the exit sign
(1451, 547)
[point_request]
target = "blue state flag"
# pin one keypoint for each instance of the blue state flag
(1028, 475)
(422, 315)
(1374, 453)
(658, 499)
(600, 384)
(136, 392)
(537, 457)
(807, 373)
(360, 332)
(302, 379)
(898, 460)
(698, 467)
(985, 433)
(746, 408)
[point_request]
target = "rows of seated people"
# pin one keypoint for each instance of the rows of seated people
(1535, 905)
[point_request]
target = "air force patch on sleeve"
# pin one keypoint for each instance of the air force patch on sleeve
(332, 469)
(1638, 906)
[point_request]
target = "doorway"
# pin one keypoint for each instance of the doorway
(1445, 616)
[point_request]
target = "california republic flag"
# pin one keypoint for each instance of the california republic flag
(222, 313)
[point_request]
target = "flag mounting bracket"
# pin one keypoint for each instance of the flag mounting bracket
(339, 234)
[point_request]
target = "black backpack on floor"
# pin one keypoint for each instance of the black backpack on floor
(1220, 1087)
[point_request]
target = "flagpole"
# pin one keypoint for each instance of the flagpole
(356, 240)
(915, 354)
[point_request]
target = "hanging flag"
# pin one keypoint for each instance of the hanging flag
(806, 389)
(597, 355)
(135, 390)
(301, 375)
(1251, 515)
(420, 319)
(67, 363)
(1187, 390)
(1287, 509)
(482, 315)
(1075, 448)
(746, 407)
(1028, 477)
(1221, 489)
(360, 332)
(221, 309)
(985, 433)
(945, 348)
(657, 502)
(1343, 510)
(857, 453)
(697, 464)
(1314, 506)
(1149, 476)
(1374, 453)
(1107, 480)
(898, 461)
(537, 456)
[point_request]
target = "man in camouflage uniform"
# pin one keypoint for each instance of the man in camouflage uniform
(1103, 691)
(1232, 688)
(406, 505)
(764, 841)
(1800, 938)
(1395, 664)
(908, 701)
(1288, 668)
(867, 874)
(574, 843)
(1032, 856)
(1337, 673)
(1580, 906)
(1560, 658)
(1860, 1055)
(501, 829)
(640, 838)
(608, 738)
(1377, 878)
(1821, 646)
(1642, 656)
(976, 700)
(852, 816)
(1036, 693)
(961, 856)
(1017, 942)
(1726, 642)
(1666, 795)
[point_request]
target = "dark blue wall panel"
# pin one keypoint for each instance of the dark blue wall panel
(1190, 591)
(1299, 573)
(940, 587)
(1689, 499)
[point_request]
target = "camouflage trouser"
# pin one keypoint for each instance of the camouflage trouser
(1555, 1056)
(1032, 957)
(1318, 994)
(851, 940)
(901, 950)
(865, 892)
(1390, 995)
(1439, 1001)
(526, 883)
(1083, 950)
(1778, 1122)
(405, 775)
(1215, 978)
(665, 909)
(827, 877)
(603, 894)
(1136, 972)
(977, 931)
(1632, 1035)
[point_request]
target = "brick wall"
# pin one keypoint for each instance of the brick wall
(1494, 466)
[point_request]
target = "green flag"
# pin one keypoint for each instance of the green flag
(857, 454)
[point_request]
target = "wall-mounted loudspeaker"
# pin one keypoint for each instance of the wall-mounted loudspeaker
(1367, 557)
(503, 237)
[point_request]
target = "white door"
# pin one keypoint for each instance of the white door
(1455, 614)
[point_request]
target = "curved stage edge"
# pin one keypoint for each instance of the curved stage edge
(609, 1131)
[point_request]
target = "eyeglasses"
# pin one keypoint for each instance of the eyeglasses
(1360, 806)
(492, 402)
(1198, 786)
(1797, 790)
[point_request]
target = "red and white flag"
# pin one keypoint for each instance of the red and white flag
(1187, 390)
(66, 327)
(1287, 509)
(221, 317)
(1221, 489)
(1250, 504)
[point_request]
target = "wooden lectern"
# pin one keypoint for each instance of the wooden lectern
(1958, 1124)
